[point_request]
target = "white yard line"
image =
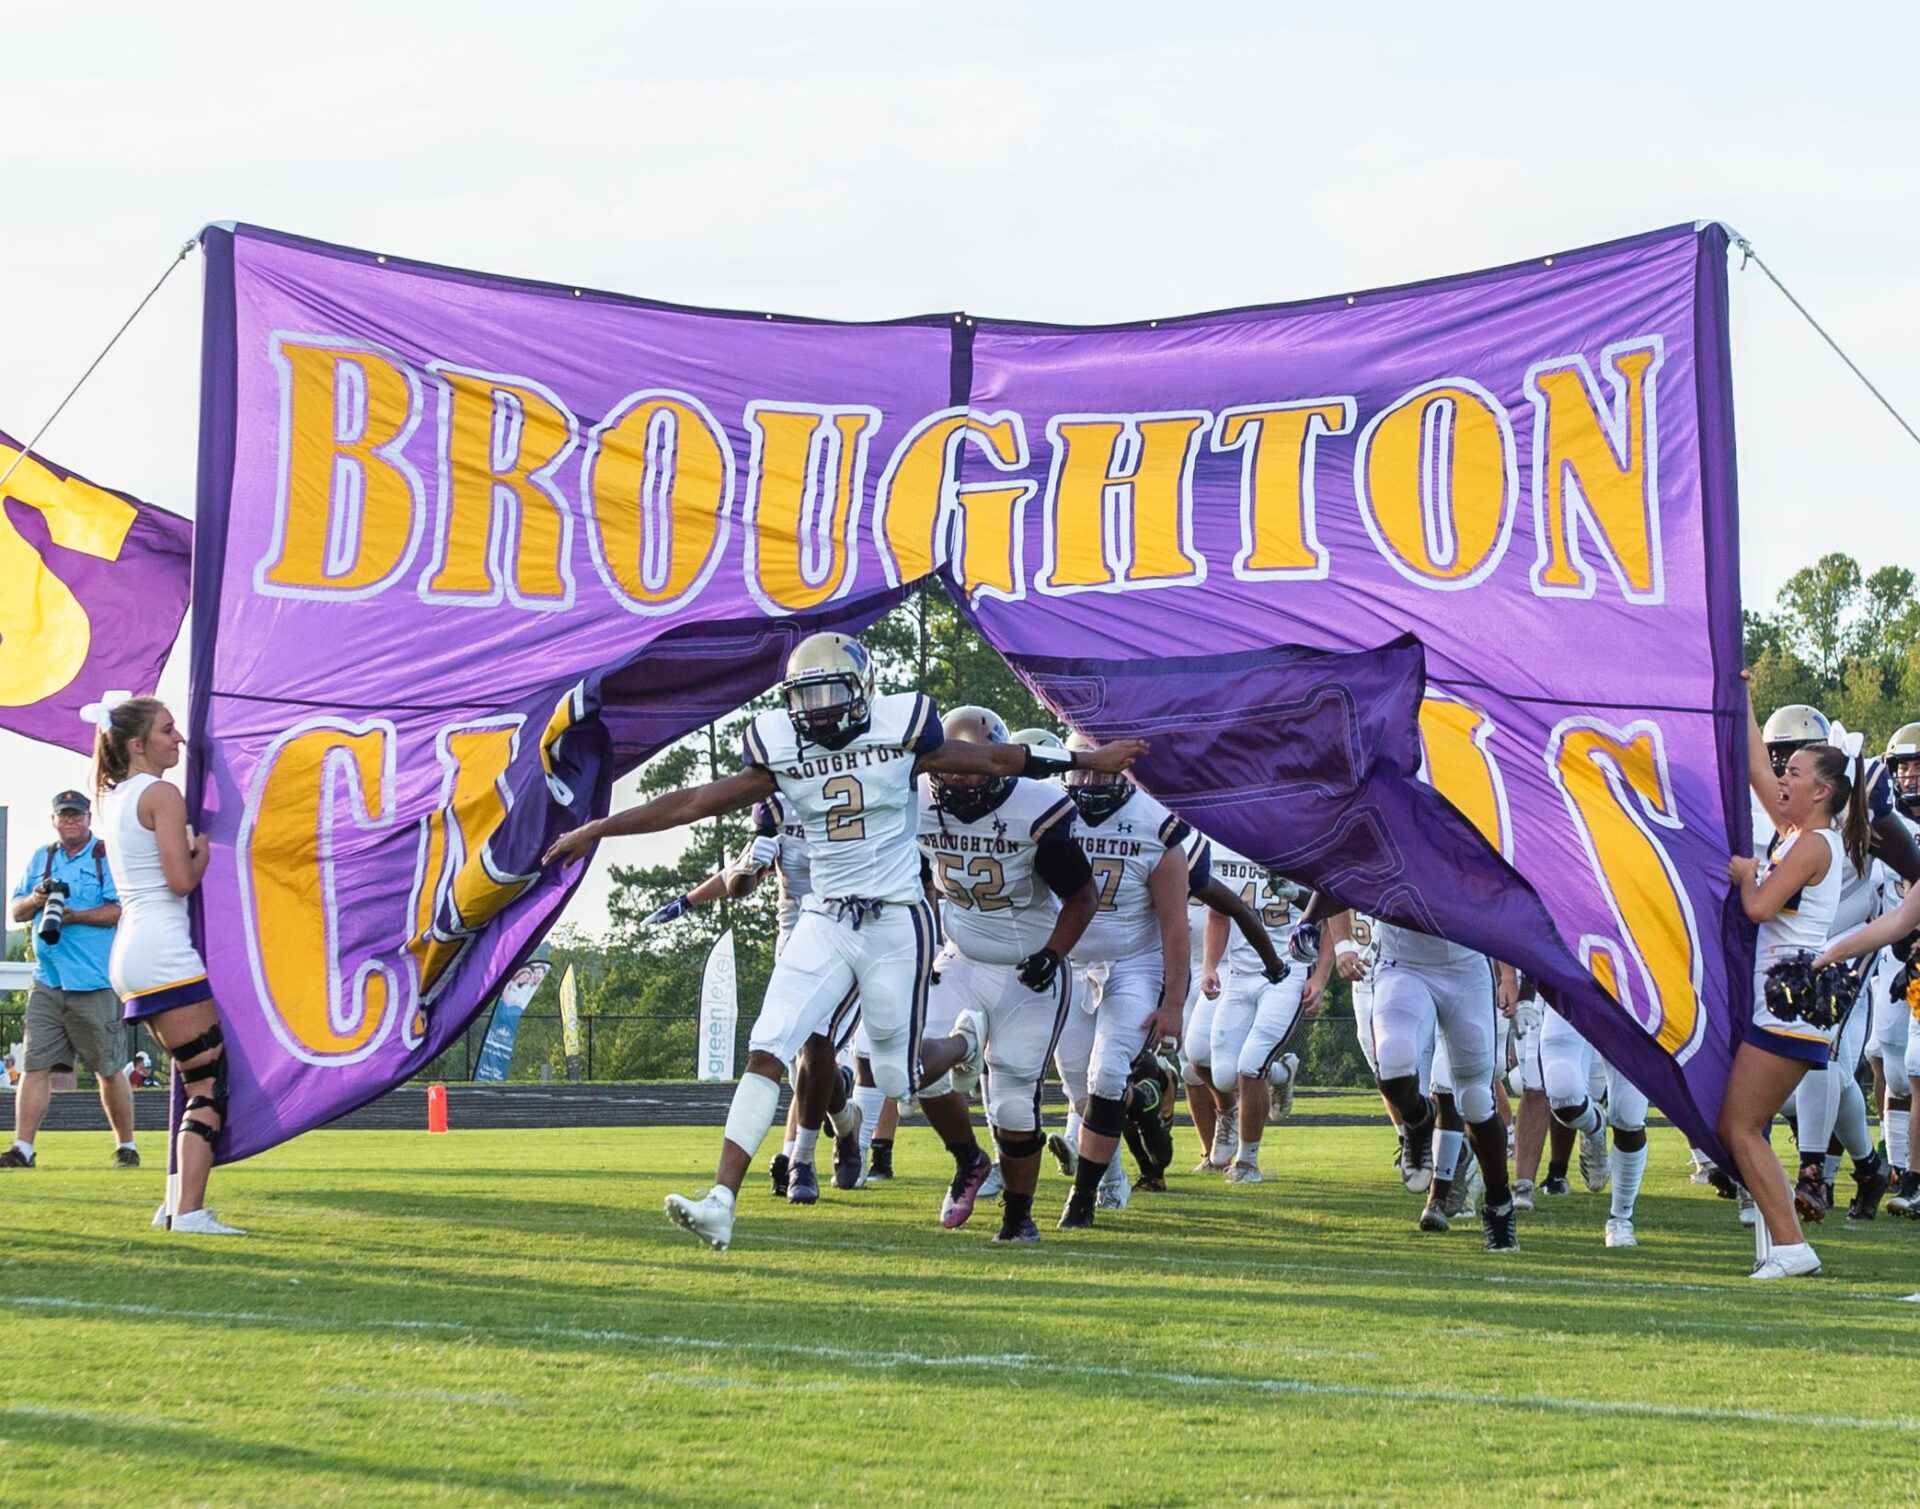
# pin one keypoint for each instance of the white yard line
(997, 1362)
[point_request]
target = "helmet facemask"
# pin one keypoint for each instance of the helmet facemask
(1098, 794)
(828, 708)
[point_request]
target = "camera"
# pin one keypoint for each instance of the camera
(53, 914)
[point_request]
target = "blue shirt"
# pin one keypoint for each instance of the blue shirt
(79, 960)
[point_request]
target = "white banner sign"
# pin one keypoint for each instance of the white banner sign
(719, 1012)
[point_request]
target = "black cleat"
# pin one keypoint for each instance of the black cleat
(1154, 1183)
(1503, 1233)
(1416, 1157)
(777, 1171)
(846, 1159)
(1555, 1186)
(803, 1185)
(1433, 1218)
(1724, 1184)
(1870, 1186)
(1905, 1198)
(1809, 1197)
(14, 1158)
(881, 1164)
(1022, 1232)
(1078, 1215)
(126, 1157)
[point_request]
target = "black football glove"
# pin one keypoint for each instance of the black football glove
(1275, 976)
(1038, 970)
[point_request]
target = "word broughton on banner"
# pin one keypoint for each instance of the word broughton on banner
(472, 546)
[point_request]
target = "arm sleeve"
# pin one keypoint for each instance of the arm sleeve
(1061, 862)
(924, 734)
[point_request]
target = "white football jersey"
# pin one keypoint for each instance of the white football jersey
(1405, 945)
(857, 805)
(995, 908)
(1365, 932)
(775, 819)
(1123, 850)
(1271, 899)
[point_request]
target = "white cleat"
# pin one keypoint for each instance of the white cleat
(1523, 1194)
(1281, 1076)
(1748, 1213)
(1116, 1189)
(1063, 1154)
(1595, 1170)
(1243, 1173)
(204, 1223)
(994, 1186)
(1226, 1143)
(1620, 1233)
(710, 1219)
(1795, 1261)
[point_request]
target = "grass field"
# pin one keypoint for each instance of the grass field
(505, 1317)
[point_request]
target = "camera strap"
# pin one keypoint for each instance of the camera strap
(99, 862)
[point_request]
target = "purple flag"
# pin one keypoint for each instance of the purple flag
(1425, 594)
(96, 588)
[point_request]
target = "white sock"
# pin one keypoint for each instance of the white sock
(1893, 1121)
(804, 1144)
(786, 1150)
(756, 1099)
(1628, 1170)
(1829, 1166)
(26, 1148)
(1249, 1153)
(837, 1120)
(130, 1146)
(1851, 1124)
(870, 1101)
(1073, 1130)
(1446, 1152)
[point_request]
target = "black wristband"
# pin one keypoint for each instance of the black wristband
(1042, 766)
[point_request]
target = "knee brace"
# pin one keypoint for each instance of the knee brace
(1106, 1116)
(1025, 1144)
(1569, 1115)
(1476, 1100)
(1629, 1139)
(215, 1069)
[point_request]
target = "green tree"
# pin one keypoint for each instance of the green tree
(1815, 609)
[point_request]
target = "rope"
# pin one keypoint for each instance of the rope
(1748, 254)
(13, 465)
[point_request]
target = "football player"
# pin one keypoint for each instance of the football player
(1567, 1064)
(1256, 1016)
(1016, 893)
(846, 759)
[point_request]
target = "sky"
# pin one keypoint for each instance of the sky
(1061, 161)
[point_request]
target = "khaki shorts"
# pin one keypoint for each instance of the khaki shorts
(74, 1027)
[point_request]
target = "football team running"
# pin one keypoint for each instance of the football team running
(960, 905)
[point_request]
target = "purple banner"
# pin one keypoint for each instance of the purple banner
(472, 546)
(96, 588)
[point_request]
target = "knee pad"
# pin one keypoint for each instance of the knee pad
(891, 1074)
(1193, 1074)
(1475, 1100)
(1629, 1139)
(1011, 1109)
(1398, 1054)
(1106, 1116)
(1226, 1078)
(1568, 1115)
(1023, 1144)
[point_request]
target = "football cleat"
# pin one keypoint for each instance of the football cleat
(1703, 1169)
(1620, 1233)
(710, 1219)
(803, 1185)
(1078, 1214)
(1907, 1196)
(1243, 1173)
(1523, 1194)
(1434, 1216)
(846, 1150)
(1282, 1075)
(1747, 1210)
(1152, 1184)
(995, 1185)
(1595, 1170)
(1724, 1184)
(880, 1166)
(126, 1157)
(204, 1223)
(1226, 1141)
(1416, 1158)
(14, 1158)
(777, 1172)
(1869, 1188)
(1809, 1197)
(1502, 1230)
(1796, 1260)
(1116, 1190)
(957, 1204)
(1555, 1185)
(1022, 1232)
(1063, 1154)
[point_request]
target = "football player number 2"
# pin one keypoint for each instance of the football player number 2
(846, 818)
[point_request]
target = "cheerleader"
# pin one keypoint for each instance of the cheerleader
(157, 861)
(1792, 895)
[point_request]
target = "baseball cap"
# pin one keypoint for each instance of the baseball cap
(71, 801)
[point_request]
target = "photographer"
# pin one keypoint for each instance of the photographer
(73, 1016)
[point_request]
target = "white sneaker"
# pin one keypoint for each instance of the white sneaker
(1748, 1213)
(204, 1223)
(1226, 1141)
(1797, 1260)
(966, 1073)
(1281, 1074)
(1523, 1194)
(1243, 1173)
(1620, 1233)
(710, 1219)
(994, 1185)
(1595, 1170)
